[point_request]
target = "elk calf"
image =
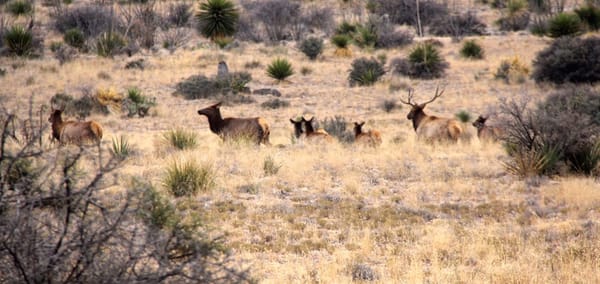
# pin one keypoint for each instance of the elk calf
(370, 138)
(230, 128)
(313, 135)
(72, 131)
(486, 132)
(429, 127)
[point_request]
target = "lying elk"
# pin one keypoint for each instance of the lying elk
(315, 135)
(75, 132)
(298, 131)
(429, 127)
(229, 128)
(370, 138)
(487, 132)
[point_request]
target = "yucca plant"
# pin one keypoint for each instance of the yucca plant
(19, 41)
(427, 62)
(74, 37)
(217, 18)
(365, 72)
(136, 103)
(472, 50)
(188, 178)
(121, 147)
(19, 7)
(564, 24)
(181, 139)
(280, 69)
(340, 40)
(590, 15)
(110, 44)
(463, 116)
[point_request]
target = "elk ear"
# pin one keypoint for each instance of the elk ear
(217, 105)
(362, 123)
(422, 106)
(356, 124)
(292, 121)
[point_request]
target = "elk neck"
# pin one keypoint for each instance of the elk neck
(57, 125)
(418, 118)
(216, 122)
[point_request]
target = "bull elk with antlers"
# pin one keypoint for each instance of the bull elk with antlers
(229, 128)
(429, 127)
(75, 132)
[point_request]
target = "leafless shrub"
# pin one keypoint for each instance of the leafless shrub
(403, 12)
(142, 22)
(57, 223)
(179, 14)
(90, 19)
(175, 38)
(458, 25)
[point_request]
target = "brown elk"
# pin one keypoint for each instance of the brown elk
(429, 127)
(370, 138)
(230, 128)
(315, 135)
(485, 132)
(298, 131)
(75, 132)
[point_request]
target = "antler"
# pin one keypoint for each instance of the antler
(437, 94)
(410, 96)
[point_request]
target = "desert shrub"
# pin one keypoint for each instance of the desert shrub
(365, 72)
(280, 69)
(197, 87)
(471, 49)
(458, 25)
(91, 20)
(188, 178)
(174, 38)
(590, 16)
(512, 71)
(107, 99)
(121, 148)
(110, 44)
(403, 12)
(337, 126)
(564, 24)
(516, 16)
(277, 17)
(345, 28)
(305, 70)
(366, 36)
(19, 7)
(234, 82)
(312, 47)
(74, 38)
(388, 105)
(574, 60)
(538, 26)
(19, 41)
(181, 139)
(558, 134)
(341, 40)
(463, 116)
(143, 21)
(387, 34)
(424, 62)
(217, 18)
(136, 103)
(270, 167)
(363, 272)
(275, 104)
(179, 14)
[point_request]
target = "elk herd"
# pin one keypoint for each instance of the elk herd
(428, 128)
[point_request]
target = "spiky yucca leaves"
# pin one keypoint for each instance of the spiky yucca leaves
(365, 72)
(427, 62)
(121, 147)
(472, 50)
(19, 41)
(181, 139)
(188, 178)
(217, 18)
(280, 69)
(564, 24)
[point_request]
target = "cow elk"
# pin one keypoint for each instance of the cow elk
(313, 135)
(256, 129)
(74, 132)
(487, 133)
(298, 131)
(370, 138)
(431, 128)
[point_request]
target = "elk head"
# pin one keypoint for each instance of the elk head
(298, 131)
(480, 122)
(211, 111)
(416, 112)
(358, 128)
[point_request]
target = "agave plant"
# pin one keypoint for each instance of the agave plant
(217, 18)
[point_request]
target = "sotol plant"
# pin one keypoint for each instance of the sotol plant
(472, 50)
(280, 69)
(365, 72)
(217, 18)
(19, 41)
(188, 178)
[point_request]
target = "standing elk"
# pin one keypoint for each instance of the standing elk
(370, 138)
(485, 132)
(75, 132)
(429, 127)
(315, 135)
(230, 128)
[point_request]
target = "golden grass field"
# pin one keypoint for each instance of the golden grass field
(413, 213)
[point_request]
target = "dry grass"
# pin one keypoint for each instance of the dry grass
(412, 213)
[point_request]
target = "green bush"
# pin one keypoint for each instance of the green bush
(19, 41)
(280, 69)
(366, 36)
(19, 7)
(590, 16)
(564, 24)
(188, 178)
(365, 72)
(389, 104)
(181, 139)
(463, 116)
(75, 38)
(567, 59)
(424, 62)
(538, 26)
(312, 47)
(341, 40)
(121, 148)
(136, 103)
(217, 18)
(110, 44)
(345, 28)
(471, 49)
